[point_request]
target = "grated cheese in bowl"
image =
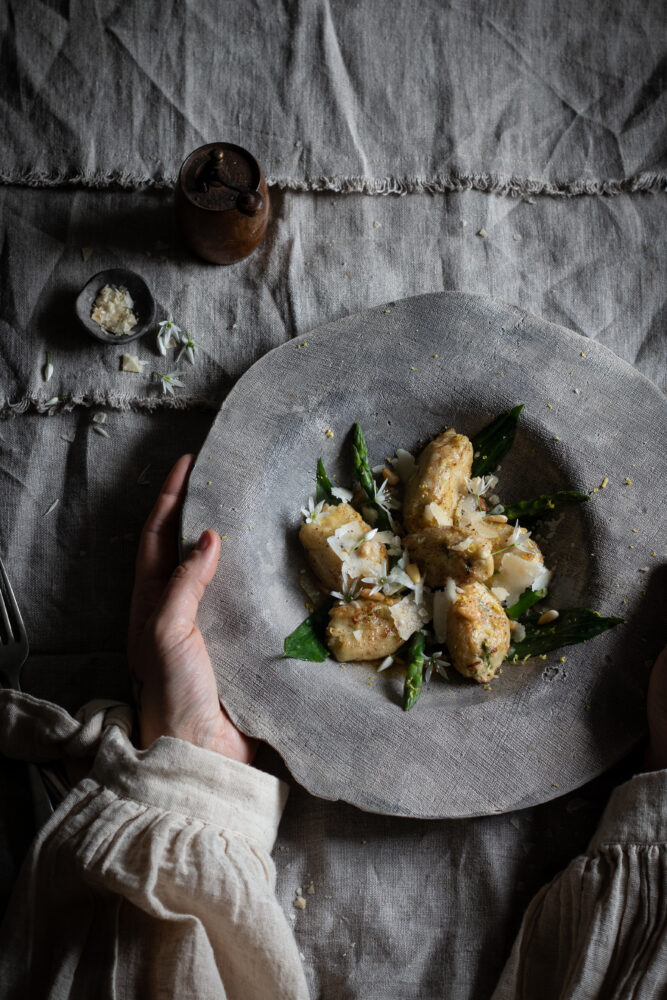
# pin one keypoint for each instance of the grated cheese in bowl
(113, 310)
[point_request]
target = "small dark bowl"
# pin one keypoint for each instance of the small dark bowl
(144, 304)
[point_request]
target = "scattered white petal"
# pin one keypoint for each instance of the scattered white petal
(99, 418)
(100, 430)
(387, 662)
(188, 348)
(169, 382)
(312, 511)
(52, 507)
(347, 595)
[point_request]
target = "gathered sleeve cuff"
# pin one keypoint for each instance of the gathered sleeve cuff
(153, 877)
(599, 930)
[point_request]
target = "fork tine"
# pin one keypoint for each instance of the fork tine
(18, 633)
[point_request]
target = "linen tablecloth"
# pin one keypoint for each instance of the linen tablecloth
(99, 105)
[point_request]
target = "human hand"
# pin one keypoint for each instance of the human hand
(656, 755)
(172, 677)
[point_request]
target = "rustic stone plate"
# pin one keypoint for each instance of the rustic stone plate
(406, 371)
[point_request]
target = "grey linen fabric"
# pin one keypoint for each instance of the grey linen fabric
(374, 97)
(594, 265)
(370, 96)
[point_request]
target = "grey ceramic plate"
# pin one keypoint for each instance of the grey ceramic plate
(406, 371)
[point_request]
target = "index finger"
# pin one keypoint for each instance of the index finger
(158, 550)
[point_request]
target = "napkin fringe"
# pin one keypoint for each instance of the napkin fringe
(490, 183)
(113, 401)
(515, 187)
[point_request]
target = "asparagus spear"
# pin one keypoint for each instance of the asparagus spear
(413, 678)
(494, 441)
(544, 506)
(362, 469)
(324, 486)
(572, 626)
(527, 599)
(306, 642)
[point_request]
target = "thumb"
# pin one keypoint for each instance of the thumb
(180, 601)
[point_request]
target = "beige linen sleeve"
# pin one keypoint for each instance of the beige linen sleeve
(599, 930)
(152, 879)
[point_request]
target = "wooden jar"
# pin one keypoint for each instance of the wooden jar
(222, 202)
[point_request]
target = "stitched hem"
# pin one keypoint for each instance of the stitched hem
(490, 183)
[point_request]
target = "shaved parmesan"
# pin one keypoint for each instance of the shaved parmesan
(404, 463)
(342, 494)
(519, 571)
(500, 593)
(131, 363)
(435, 515)
(346, 542)
(408, 618)
(442, 601)
(463, 545)
(469, 518)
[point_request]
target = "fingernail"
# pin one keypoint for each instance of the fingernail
(204, 542)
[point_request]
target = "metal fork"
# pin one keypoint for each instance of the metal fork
(13, 654)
